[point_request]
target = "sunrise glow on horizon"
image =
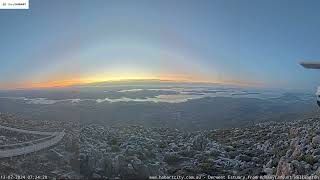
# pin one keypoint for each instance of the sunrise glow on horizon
(110, 79)
(189, 41)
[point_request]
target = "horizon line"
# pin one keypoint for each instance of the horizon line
(38, 86)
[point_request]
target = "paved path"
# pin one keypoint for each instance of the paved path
(25, 131)
(30, 146)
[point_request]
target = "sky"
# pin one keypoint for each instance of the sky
(246, 42)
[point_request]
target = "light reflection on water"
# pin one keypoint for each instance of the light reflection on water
(182, 95)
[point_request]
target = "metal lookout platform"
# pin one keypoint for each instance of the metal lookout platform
(17, 149)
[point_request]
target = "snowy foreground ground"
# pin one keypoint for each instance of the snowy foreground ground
(136, 152)
(290, 148)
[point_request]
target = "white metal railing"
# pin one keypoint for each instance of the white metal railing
(26, 131)
(54, 138)
(26, 143)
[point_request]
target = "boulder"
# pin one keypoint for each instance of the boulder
(243, 157)
(200, 142)
(316, 152)
(284, 168)
(316, 140)
(172, 158)
(268, 171)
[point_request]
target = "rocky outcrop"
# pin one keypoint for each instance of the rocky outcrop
(291, 148)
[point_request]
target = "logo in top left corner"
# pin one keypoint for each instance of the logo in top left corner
(14, 4)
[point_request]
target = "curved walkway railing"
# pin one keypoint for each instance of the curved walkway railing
(54, 138)
(26, 143)
(26, 131)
